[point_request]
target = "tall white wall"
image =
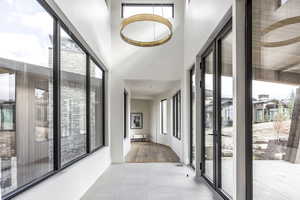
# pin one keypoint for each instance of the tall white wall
(201, 18)
(142, 106)
(155, 63)
(92, 21)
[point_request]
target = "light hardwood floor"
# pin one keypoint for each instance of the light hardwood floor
(143, 152)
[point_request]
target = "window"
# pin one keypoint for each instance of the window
(164, 116)
(43, 97)
(226, 117)
(275, 101)
(73, 99)
(25, 101)
(177, 115)
(164, 10)
(282, 2)
(96, 106)
(193, 117)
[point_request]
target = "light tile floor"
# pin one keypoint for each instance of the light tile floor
(149, 181)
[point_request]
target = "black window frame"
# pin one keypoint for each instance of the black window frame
(149, 5)
(125, 113)
(13, 105)
(58, 23)
(89, 60)
(192, 73)
(176, 114)
(162, 116)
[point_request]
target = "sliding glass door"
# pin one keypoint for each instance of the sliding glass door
(209, 115)
(225, 103)
(193, 117)
(217, 113)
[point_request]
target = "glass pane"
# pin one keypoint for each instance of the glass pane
(26, 145)
(193, 111)
(227, 143)
(179, 115)
(164, 108)
(96, 106)
(276, 100)
(208, 117)
(73, 99)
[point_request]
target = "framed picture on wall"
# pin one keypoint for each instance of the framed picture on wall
(136, 120)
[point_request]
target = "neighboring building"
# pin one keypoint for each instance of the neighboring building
(266, 109)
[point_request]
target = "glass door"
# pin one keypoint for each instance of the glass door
(217, 114)
(209, 116)
(193, 117)
(225, 115)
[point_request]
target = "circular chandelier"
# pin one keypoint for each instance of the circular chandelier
(277, 25)
(151, 18)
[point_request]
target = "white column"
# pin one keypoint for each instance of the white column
(116, 121)
(198, 117)
(239, 98)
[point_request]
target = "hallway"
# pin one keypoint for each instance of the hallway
(144, 152)
(150, 181)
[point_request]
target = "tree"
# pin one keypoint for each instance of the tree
(279, 119)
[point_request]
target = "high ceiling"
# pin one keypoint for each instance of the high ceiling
(149, 89)
(159, 67)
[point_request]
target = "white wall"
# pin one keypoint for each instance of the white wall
(116, 121)
(142, 106)
(201, 18)
(73, 182)
(92, 21)
(154, 63)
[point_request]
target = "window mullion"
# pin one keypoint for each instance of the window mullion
(88, 106)
(56, 96)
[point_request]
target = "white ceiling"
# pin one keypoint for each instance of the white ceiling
(148, 71)
(159, 63)
(149, 89)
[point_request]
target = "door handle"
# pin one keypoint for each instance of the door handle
(225, 135)
(213, 134)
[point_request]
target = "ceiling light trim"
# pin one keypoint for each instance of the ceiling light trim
(277, 25)
(146, 17)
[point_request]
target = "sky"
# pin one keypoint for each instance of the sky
(24, 31)
(274, 90)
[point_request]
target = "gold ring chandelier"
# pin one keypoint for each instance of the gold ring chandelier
(146, 17)
(277, 25)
